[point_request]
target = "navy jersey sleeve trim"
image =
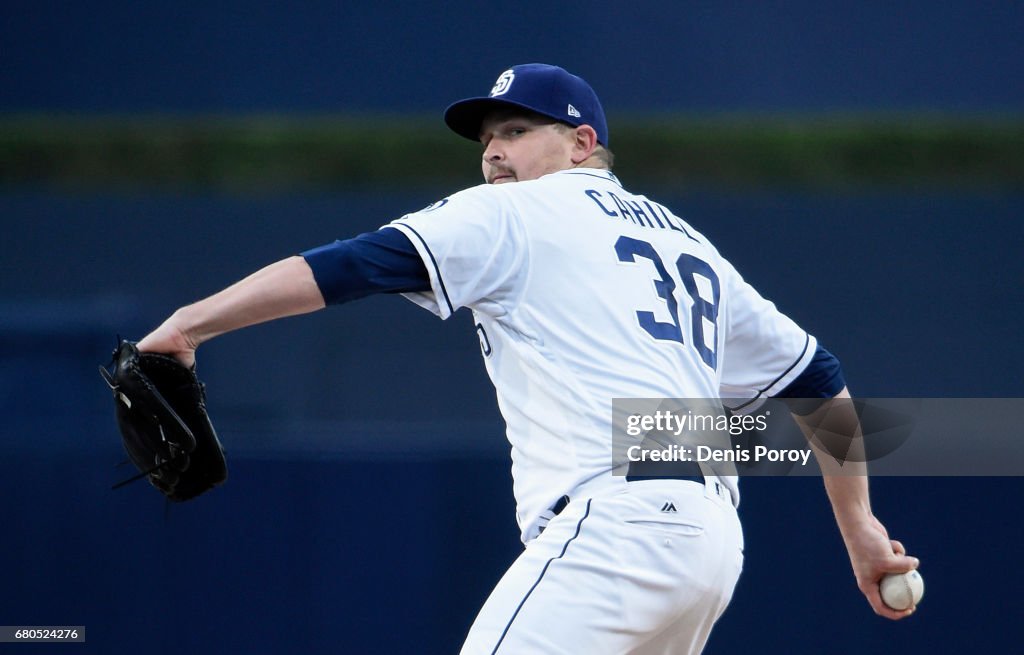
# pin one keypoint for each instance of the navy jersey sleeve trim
(821, 379)
(384, 261)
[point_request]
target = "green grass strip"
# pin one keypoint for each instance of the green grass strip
(299, 153)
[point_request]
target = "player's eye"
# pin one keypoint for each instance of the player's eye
(502, 132)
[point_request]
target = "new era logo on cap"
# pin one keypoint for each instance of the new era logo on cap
(544, 89)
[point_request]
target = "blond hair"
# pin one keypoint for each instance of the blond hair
(603, 154)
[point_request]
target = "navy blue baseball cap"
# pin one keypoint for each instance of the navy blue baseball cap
(547, 90)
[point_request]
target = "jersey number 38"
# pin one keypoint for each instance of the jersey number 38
(703, 310)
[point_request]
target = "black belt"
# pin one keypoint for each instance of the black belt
(664, 471)
(651, 471)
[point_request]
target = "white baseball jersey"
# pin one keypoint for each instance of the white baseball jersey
(583, 292)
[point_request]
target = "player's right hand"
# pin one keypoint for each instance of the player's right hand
(873, 554)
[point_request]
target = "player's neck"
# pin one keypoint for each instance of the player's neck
(592, 161)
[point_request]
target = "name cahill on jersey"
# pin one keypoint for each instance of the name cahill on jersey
(640, 212)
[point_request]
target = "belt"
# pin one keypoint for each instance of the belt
(664, 471)
(639, 471)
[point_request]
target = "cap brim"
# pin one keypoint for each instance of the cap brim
(466, 116)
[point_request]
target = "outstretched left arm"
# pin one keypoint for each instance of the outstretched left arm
(285, 288)
(376, 262)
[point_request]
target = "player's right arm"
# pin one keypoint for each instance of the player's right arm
(833, 431)
(767, 353)
(821, 405)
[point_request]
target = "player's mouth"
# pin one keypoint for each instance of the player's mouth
(501, 176)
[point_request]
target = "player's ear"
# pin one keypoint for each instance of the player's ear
(584, 143)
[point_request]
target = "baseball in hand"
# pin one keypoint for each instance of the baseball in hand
(902, 591)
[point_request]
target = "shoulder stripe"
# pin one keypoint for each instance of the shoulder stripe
(433, 262)
(761, 392)
(807, 341)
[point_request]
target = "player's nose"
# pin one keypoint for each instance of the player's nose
(493, 152)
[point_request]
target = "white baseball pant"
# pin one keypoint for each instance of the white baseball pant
(646, 570)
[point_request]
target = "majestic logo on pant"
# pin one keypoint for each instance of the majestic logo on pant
(668, 507)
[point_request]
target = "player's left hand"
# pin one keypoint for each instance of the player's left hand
(873, 554)
(160, 408)
(169, 339)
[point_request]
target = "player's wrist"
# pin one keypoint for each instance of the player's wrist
(855, 521)
(186, 326)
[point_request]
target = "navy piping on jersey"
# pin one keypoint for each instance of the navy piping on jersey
(807, 342)
(541, 577)
(437, 271)
(609, 178)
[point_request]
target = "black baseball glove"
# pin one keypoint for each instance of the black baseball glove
(160, 406)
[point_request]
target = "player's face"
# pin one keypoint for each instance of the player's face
(520, 147)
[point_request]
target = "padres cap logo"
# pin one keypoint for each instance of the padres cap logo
(502, 84)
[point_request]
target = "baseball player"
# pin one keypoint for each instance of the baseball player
(581, 291)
